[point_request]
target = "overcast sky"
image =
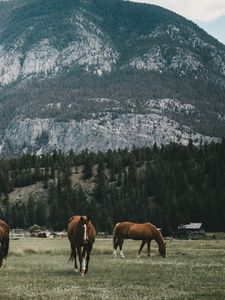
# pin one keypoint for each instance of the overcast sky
(208, 14)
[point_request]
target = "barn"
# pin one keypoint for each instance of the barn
(191, 231)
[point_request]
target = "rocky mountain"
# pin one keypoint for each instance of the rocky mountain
(102, 74)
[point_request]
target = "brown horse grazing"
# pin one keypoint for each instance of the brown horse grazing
(4, 241)
(81, 234)
(145, 232)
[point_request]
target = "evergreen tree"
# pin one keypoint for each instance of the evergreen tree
(31, 207)
(87, 169)
(41, 213)
(167, 186)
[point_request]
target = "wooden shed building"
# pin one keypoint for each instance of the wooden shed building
(191, 231)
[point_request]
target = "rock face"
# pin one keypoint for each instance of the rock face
(94, 51)
(154, 77)
(91, 49)
(128, 130)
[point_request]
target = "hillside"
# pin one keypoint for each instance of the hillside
(105, 74)
(167, 186)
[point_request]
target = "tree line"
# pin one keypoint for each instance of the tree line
(165, 185)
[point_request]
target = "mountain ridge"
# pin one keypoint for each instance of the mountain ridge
(65, 53)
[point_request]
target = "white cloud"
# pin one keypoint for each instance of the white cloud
(196, 10)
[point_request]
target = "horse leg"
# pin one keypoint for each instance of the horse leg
(116, 244)
(74, 255)
(141, 247)
(84, 259)
(149, 245)
(80, 260)
(89, 248)
(121, 246)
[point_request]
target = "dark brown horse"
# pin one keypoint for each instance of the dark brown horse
(81, 234)
(4, 241)
(145, 232)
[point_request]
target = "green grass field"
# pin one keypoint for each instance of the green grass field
(39, 269)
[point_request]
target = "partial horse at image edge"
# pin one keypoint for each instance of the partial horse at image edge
(145, 232)
(4, 241)
(81, 234)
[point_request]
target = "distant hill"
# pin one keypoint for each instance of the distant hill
(105, 74)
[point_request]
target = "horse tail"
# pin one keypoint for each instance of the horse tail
(5, 246)
(115, 237)
(71, 257)
(73, 253)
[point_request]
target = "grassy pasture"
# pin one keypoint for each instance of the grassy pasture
(39, 269)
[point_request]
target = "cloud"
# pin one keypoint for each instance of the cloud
(196, 10)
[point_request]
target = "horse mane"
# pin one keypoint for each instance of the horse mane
(158, 236)
(70, 219)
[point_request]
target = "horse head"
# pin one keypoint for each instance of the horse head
(84, 221)
(162, 249)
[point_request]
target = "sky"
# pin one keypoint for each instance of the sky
(208, 14)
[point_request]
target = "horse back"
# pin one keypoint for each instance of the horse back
(123, 229)
(135, 231)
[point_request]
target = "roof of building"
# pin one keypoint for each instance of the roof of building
(190, 226)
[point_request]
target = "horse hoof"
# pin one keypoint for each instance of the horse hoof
(138, 255)
(76, 270)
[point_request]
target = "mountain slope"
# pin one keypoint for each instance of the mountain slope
(42, 37)
(72, 63)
